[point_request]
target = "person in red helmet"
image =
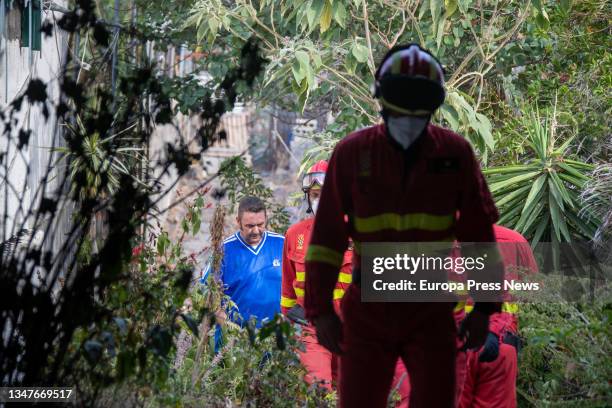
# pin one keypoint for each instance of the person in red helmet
(400, 181)
(320, 364)
(486, 378)
(491, 373)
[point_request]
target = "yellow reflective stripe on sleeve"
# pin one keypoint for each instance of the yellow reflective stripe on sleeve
(344, 277)
(287, 302)
(397, 222)
(459, 307)
(300, 276)
(299, 292)
(338, 294)
(509, 307)
(320, 253)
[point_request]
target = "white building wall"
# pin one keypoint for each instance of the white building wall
(28, 166)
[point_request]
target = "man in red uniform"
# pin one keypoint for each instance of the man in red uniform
(320, 364)
(401, 181)
(490, 381)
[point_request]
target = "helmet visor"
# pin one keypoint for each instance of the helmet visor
(311, 179)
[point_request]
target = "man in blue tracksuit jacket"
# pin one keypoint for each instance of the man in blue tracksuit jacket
(251, 267)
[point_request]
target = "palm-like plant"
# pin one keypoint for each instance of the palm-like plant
(541, 198)
(93, 170)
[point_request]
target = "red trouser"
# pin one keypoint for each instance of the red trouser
(401, 379)
(320, 364)
(377, 334)
(491, 385)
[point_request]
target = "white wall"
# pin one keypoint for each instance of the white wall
(17, 66)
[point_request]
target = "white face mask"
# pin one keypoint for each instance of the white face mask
(314, 204)
(406, 129)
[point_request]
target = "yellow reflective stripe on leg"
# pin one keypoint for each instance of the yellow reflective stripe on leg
(510, 307)
(299, 292)
(338, 294)
(397, 222)
(344, 277)
(320, 253)
(287, 302)
(300, 276)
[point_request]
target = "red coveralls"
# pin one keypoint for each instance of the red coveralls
(321, 365)
(493, 385)
(391, 195)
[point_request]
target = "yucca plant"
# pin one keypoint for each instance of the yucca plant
(93, 171)
(540, 197)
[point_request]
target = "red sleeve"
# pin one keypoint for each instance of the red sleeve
(477, 214)
(288, 297)
(507, 320)
(329, 238)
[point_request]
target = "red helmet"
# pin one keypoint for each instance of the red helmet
(410, 81)
(314, 175)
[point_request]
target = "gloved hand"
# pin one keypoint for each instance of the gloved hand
(490, 350)
(474, 329)
(296, 314)
(329, 332)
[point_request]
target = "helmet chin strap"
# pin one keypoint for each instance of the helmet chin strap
(309, 210)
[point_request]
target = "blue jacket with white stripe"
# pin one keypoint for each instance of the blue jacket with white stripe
(252, 276)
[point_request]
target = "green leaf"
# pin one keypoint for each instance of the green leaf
(326, 17)
(311, 15)
(528, 212)
(423, 9)
(340, 14)
(464, 5)
(440, 31)
(566, 5)
(450, 6)
(451, 116)
(513, 180)
(512, 195)
(562, 190)
(303, 59)
(555, 215)
(535, 191)
(555, 194)
(544, 222)
(360, 52)
(435, 7)
(162, 243)
(542, 20)
(510, 213)
(196, 222)
(572, 171)
(531, 218)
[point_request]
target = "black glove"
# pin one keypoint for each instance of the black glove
(490, 350)
(513, 340)
(297, 315)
